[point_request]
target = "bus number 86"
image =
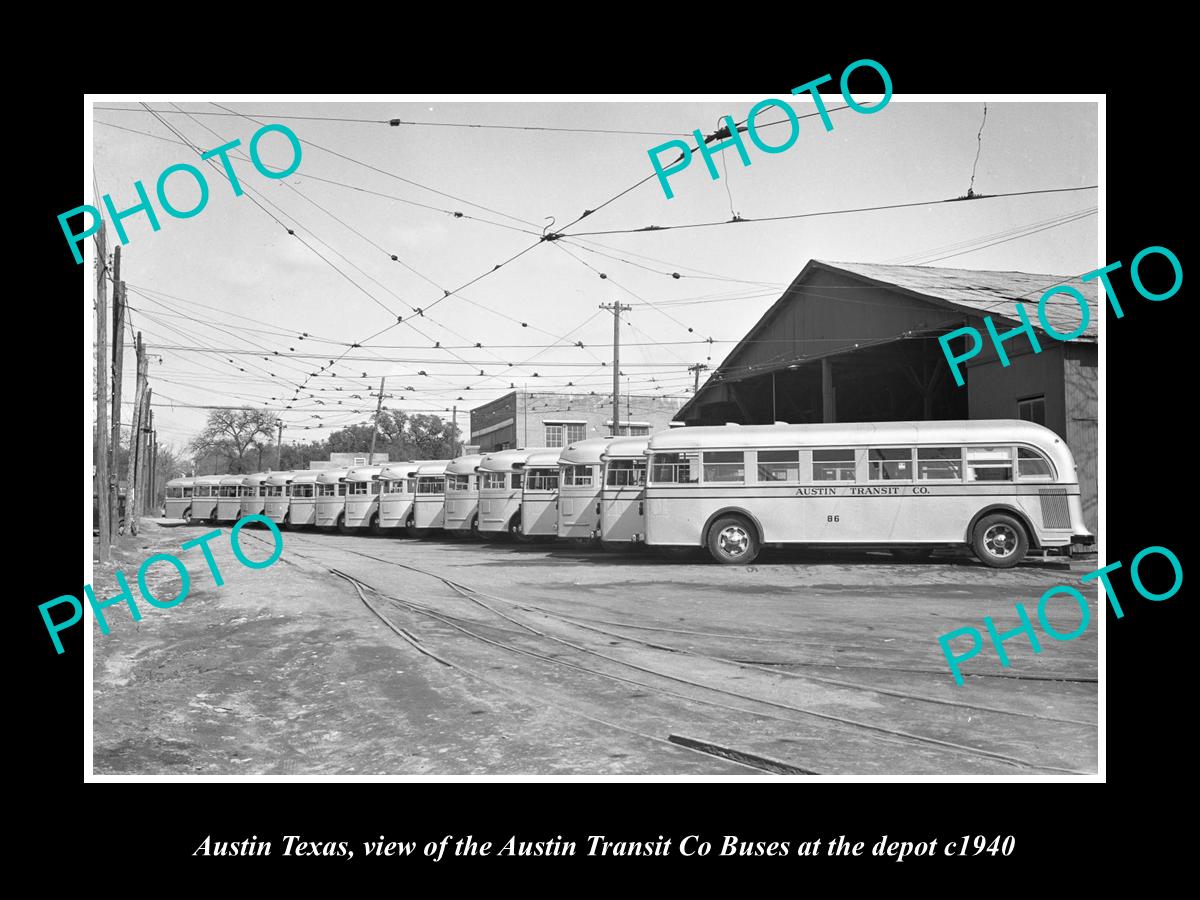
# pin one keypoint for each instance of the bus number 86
(833, 518)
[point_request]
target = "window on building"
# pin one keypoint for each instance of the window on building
(1032, 409)
(833, 465)
(778, 465)
(542, 480)
(360, 460)
(578, 476)
(989, 464)
(626, 472)
(636, 430)
(675, 468)
(1032, 465)
(725, 465)
(939, 463)
(560, 434)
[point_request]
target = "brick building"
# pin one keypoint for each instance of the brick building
(547, 419)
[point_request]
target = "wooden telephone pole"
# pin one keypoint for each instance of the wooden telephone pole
(279, 448)
(375, 430)
(101, 480)
(118, 355)
(617, 308)
(135, 439)
(697, 368)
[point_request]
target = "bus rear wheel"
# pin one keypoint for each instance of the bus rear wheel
(733, 541)
(999, 541)
(286, 524)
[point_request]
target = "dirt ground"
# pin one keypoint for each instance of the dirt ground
(454, 658)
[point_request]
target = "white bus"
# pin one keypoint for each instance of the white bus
(275, 496)
(178, 503)
(501, 475)
(429, 500)
(250, 494)
(623, 496)
(579, 484)
(462, 495)
(539, 494)
(397, 484)
(331, 497)
(229, 500)
(205, 494)
(999, 486)
(302, 506)
(362, 499)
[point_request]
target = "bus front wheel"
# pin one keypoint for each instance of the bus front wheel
(733, 541)
(999, 541)
(375, 527)
(343, 528)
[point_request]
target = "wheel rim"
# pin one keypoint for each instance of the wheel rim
(1000, 540)
(733, 540)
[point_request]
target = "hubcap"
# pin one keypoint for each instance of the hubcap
(733, 541)
(1000, 541)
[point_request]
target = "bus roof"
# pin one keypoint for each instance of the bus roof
(979, 431)
(330, 476)
(231, 479)
(626, 448)
(463, 465)
(305, 476)
(585, 452)
(434, 467)
(543, 459)
(184, 481)
(363, 473)
(279, 478)
(209, 479)
(404, 469)
(255, 478)
(507, 460)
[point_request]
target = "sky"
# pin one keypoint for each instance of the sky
(235, 311)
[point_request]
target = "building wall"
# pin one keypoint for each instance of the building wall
(1080, 379)
(993, 390)
(519, 419)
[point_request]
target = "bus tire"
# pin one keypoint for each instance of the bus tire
(342, 527)
(286, 524)
(733, 541)
(514, 531)
(912, 554)
(999, 541)
(375, 527)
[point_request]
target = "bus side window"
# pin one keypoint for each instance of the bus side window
(939, 463)
(675, 468)
(1033, 466)
(890, 464)
(725, 466)
(833, 465)
(989, 464)
(778, 465)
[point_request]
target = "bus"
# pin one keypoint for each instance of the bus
(331, 497)
(429, 495)
(276, 497)
(462, 495)
(623, 496)
(302, 503)
(251, 494)
(539, 494)
(229, 500)
(205, 494)
(362, 499)
(179, 498)
(579, 484)
(1000, 487)
(500, 478)
(397, 481)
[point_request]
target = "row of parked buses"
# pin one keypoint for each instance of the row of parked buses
(1000, 487)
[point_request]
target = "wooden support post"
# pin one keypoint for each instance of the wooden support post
(101, 477)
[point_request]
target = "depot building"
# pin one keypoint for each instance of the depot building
(853, 342)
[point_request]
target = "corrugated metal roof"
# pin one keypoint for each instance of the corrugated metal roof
(987, 292)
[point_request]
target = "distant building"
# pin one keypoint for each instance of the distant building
(855, 342)
(547, 419)
(348, 460)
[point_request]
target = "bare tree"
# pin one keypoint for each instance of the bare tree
(230, 433)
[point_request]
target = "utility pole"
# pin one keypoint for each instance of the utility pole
(617, 308)
(135, 439)
(375, 430)
(118, 356)
(147, 453)
(279, 448)
(153, 464)
(101, 480)
(454, 434)
(697, 368)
